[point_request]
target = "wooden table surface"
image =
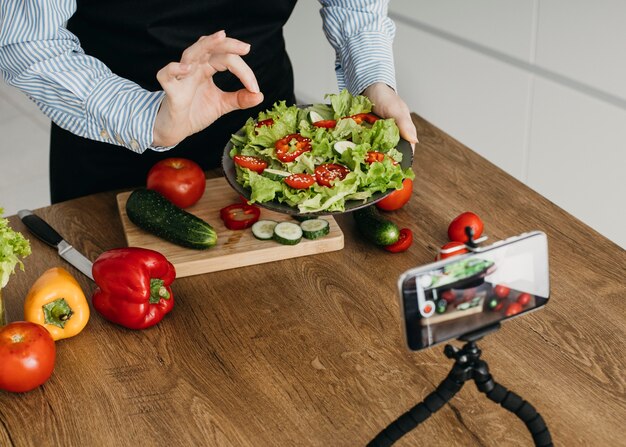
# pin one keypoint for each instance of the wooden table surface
(309, 351)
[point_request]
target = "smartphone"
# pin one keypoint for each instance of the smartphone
(462, 294)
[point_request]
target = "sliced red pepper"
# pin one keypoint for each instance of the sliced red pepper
(325, 174)
(404, 242)
(326, 124)
(133, 286)
(255, 164)
(267, 122)
(239, 215)
(284, 150)
(369, 118)
(375, 156)
(300, 181)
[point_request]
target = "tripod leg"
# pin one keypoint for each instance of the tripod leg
(419, 413)
(516, 405)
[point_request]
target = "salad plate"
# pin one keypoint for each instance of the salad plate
(242, 182)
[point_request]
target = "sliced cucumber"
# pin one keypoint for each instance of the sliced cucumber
(303, 217)
(315, 117)
(264, 229)
(341, 146)
(276, 174)
(315, 228)
(287, 233)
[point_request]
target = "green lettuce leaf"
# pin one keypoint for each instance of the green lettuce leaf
(13, 246)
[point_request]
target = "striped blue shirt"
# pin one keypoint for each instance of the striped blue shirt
(39, 56)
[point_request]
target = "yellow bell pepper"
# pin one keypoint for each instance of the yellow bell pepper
(57, 302)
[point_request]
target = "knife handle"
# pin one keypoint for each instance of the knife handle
(40, 228)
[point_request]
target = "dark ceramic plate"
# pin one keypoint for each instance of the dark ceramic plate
(229, 172)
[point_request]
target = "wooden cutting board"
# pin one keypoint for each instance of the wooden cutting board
(234, 248)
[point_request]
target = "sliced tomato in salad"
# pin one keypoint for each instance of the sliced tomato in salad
(326, 124)
(286, 151)
(300, 181)
(327, 173)
(255, 164)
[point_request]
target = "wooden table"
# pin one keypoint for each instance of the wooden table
(309, 351)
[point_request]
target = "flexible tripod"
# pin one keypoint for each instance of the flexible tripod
(467, 366)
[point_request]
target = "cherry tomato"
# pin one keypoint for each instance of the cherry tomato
(255, 164)
(327, 173)
(300, 181)
(461, 248)
(27, 355)
(239, 215)
(327, 124)
(286, 152)
(398, 198)
(513, 309)
(404, 242)
(448, 295)
(179, 180)
(456, 230)
(524, 299)
(501, 291)
(499, 307)
(267, 122)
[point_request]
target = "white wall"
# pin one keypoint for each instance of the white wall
(537, 87)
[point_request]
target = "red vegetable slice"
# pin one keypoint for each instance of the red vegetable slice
(239, 215)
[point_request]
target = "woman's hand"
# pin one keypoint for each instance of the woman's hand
(387, 104)
(192, 100)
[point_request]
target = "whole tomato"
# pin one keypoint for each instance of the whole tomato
(524, 299)
(513, 309)
(456, 230)
(398, 198)
(179, 180)
(501, 291)
(27, 355)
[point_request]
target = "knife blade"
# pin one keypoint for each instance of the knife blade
(45, 233)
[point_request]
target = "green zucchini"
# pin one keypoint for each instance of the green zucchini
(375, 227)
(152, 212)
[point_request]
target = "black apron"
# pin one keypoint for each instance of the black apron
(135, 39)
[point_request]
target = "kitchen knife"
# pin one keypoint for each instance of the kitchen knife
(47, 234)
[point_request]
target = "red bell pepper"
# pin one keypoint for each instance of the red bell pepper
(286, 153)
(133, 286)
(239, 215)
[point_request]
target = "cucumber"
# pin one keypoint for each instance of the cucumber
(264, 229)
(315, 228)
(315, 117)
(303, 217)
(341, 146)
(275, 174)
(287, 233)
(375, 227)
(152, 212)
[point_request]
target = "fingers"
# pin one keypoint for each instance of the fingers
(241, 99)
(407, 128)
(172, 72)
(216, 43)
(238, 67)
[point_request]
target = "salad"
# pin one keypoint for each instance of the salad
(318, 157)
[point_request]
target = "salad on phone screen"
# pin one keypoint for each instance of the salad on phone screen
(316, 158)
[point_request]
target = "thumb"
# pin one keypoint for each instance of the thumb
(241, 99)
(407, 129)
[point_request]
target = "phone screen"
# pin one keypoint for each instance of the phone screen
(462, 294)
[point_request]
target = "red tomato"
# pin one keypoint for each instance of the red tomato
(300, 181)
(523, 298)
(448, 295)
(501, 291)
(27, 355)
(327, 124)
(404, 242)
(513, 309)
(326, 174)
(398, 198)
(255, 164)
(456, 230)
(286, 152)
(499, 307)
(460, 250)
(239, 215)
(179, 180)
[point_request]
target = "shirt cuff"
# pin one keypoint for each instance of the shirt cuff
(121, 112)
(365, 59)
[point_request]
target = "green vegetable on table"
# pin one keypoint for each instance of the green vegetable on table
(375, 227)
(13, 246)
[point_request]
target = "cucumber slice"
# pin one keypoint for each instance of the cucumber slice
(315, 228)
(264, 229)
(315, 117)
(303, 217)
(275, 174)
(287, 233)
(341, 146)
